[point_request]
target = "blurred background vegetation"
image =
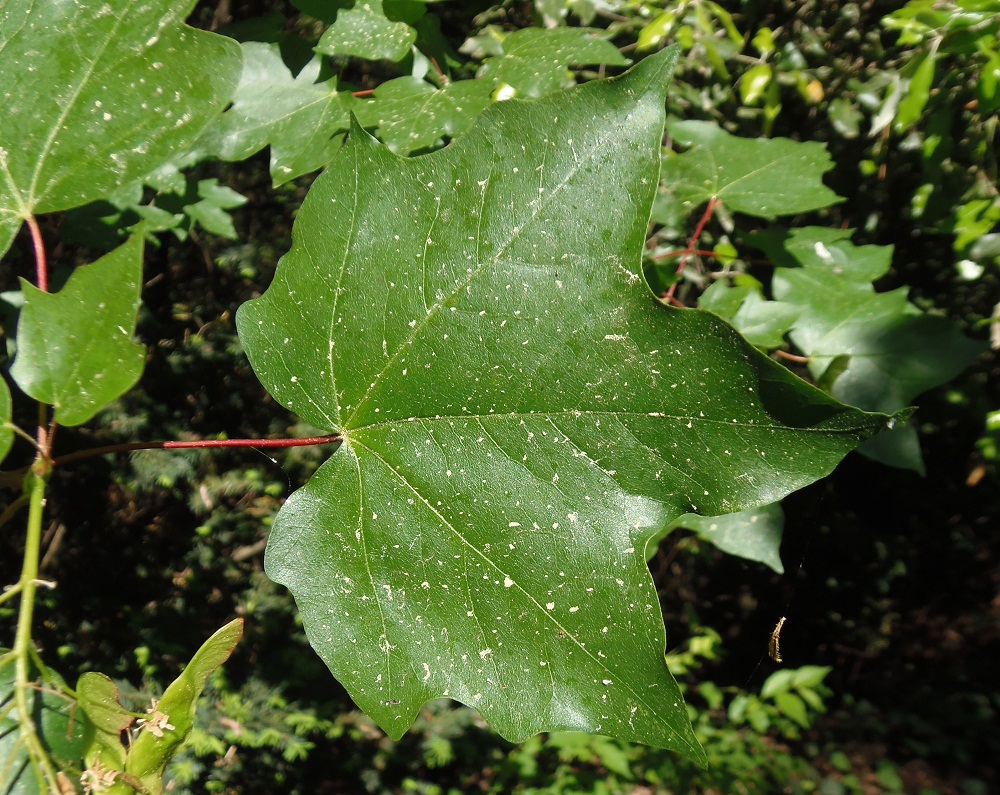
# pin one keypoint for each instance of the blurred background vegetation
(892, 582)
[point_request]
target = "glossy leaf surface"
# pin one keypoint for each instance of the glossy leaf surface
(364, 30)
(74, 348)
(519, 417)
(410, 114)
(96, 96)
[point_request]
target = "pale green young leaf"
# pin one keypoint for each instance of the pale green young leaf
(74, 348)
(534, 61)
(302, 120)
(210, 211)
(171, 718)
(95, 96)
(758, 176)
(519, 416)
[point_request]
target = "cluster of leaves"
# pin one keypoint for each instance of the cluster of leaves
(501, 370)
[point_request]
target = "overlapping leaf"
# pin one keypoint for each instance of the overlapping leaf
(519, 417)
(534, 60)
(410, 114)
(869, 349)
(297, 116)
(74, 348)
(754, 534)
(94, 97)
(762, 323)
(61, 730)
(759, 177)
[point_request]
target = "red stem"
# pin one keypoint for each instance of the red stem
(699, 252)
(792, 357)
(41, 267)
(198, 443)
(712, 204)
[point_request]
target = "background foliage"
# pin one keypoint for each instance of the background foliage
(892, 617)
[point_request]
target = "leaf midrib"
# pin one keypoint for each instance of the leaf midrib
(482, 267)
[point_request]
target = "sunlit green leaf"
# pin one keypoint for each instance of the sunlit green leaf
(873, 350)
(410, 114)
(302, 120)
(756, 176)
(364, 30)
(519, 416)
(97, 697)
(96, 96)
(171, 717)
(534, 60)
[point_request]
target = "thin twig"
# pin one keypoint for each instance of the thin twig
(196, 444)
(712, 204)
(792, 357)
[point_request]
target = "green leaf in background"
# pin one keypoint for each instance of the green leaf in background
(519, 416)
(6, 430)
(61, 729)
(210, 209)
(74, 348)
(920, 78)
(157, 742)
(762, 323)
(873, 350)
(410, 114)
(754, 534)
(302, 120)
(757, 176)
(845, 117)
(534, 60)
(364, 30)
(94, 97)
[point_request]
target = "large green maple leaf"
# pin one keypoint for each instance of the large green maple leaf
(519, 416)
